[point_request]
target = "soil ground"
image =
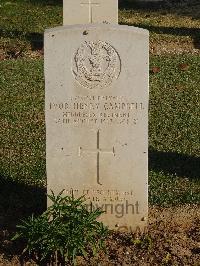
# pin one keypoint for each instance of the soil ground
(173, 238)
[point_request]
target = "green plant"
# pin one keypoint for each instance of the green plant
(145, 242)
(64, 231)
(166, 260)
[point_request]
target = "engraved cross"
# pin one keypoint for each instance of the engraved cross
(90, 5)
(98, 151)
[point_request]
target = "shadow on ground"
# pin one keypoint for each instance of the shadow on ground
(194, 33)
(18, 201)
(183, 166)
(189, 8)
(35, 38)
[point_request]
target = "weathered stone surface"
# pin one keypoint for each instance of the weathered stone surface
(90, 11)
(97, 118)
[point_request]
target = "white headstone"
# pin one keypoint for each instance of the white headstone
(97, 118)
(90, 11)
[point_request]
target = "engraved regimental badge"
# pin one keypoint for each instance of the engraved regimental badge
(96, 65)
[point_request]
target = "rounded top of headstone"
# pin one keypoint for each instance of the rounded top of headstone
(103, 26)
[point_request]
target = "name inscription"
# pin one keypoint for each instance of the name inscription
(84, 110)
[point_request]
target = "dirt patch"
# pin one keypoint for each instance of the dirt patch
(174, 48)
(8, 54)
(173, 238)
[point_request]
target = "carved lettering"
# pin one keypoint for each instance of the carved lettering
(101, 110)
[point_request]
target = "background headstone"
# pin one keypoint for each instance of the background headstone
(97, 118)
(90, 11)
